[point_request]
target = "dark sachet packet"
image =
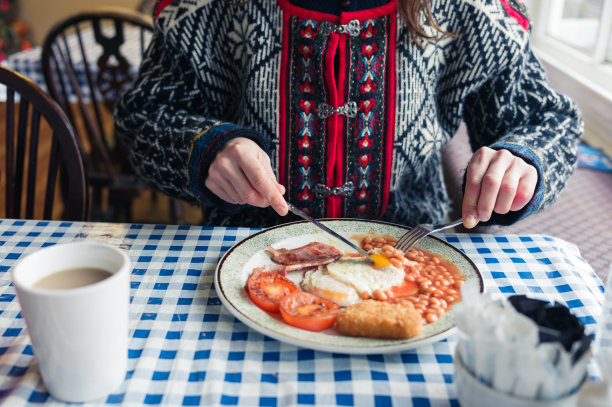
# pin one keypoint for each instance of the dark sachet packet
(555, 323)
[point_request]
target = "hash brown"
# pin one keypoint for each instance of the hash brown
(380, 319)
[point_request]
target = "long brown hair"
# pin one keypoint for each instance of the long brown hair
(410, 11)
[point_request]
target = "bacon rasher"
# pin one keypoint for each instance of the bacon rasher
(314, 254)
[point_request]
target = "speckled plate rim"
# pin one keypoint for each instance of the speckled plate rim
(231, 275)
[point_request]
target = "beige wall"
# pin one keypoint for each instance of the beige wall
(40, 15)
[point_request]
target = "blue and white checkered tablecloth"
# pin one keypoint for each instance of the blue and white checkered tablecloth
(187, 349)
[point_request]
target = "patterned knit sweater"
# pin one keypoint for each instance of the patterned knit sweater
(351, 110)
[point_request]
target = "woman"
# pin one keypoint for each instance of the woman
(342, 108)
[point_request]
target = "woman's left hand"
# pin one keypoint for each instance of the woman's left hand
(496, 181)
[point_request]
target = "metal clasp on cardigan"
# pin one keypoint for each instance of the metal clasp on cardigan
(349, 110)
(353, 28)
(321, 190)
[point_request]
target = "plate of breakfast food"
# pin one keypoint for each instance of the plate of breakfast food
(301, 286)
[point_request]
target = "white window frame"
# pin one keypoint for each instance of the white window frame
(587, 78)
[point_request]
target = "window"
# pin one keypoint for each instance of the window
(609, 56)
(573, 39)
(577, 34)
(576, 22)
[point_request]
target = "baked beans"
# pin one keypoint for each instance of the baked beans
(438, 280)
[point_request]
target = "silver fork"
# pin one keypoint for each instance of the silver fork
(418, 232)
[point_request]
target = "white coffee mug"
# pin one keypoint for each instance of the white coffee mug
(79, 335)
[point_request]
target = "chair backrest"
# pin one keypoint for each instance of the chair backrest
(41, 152)
(88, 61)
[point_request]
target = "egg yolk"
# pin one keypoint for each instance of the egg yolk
(380, 260)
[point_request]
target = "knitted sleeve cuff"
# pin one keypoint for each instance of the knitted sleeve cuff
(204, 149)
(534, 204)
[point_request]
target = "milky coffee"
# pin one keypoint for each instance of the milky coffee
(72, 278)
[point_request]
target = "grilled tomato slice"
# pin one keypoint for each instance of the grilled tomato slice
(307, 311)
(267, 288)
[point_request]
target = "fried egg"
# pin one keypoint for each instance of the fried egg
(347, 280)
(319, 282)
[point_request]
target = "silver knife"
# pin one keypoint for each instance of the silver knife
(315, 222)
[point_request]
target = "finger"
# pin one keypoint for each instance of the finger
(284, 210)
(229, 168)
(227, 178)
(280, 187)
(491, 183)
(262, 179)
(248, 192)
(475, 172)
(223, 190)
(525, 189)
(507, 189)
(281, 206)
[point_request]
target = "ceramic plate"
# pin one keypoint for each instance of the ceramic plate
(237, 264)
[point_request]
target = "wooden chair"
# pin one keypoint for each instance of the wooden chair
(35, 161)
(104, 47)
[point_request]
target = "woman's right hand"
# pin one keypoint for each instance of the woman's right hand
(241, 174)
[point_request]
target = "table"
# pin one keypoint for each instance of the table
(28, 62)
(187, 349)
